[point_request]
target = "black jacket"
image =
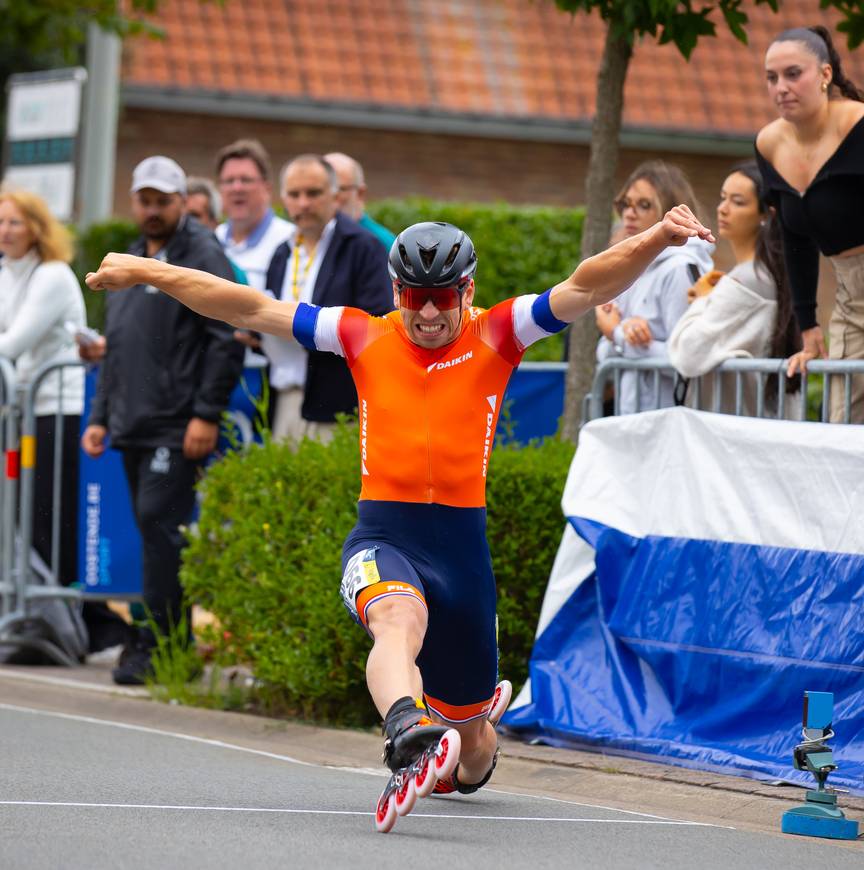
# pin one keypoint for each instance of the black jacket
(165, 364)
(354, 273)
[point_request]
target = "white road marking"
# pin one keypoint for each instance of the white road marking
(129, 692)
(162, 733)
(318, 812)
(648, 817)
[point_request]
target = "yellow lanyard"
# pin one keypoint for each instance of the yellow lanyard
(297, 286)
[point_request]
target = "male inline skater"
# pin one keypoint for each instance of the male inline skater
(430, 377)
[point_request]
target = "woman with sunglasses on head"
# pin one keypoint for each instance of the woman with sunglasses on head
(812, 160)
(638, 323)
(747, 313)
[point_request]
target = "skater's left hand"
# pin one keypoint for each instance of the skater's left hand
(680, 224)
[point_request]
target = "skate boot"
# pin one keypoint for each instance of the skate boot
(500, 702)
(417, 751)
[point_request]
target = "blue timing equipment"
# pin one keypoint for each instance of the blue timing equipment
(819, 815)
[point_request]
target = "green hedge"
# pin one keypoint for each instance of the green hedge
(520, 249)
(91, 247)
(265, 558)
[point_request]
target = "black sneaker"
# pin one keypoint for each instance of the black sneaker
(134, 665)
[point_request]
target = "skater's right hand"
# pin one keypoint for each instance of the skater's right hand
(93, 441)
(118, 271)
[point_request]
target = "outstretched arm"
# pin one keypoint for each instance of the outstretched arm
(604, 276)
(214, 297)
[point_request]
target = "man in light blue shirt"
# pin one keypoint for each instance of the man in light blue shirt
(351, 197)
(252, 231)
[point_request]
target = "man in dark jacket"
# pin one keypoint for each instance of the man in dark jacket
(328, 260)
(163, 385)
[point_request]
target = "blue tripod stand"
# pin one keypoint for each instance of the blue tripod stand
(819, 815)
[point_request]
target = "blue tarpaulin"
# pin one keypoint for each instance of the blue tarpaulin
(695, 632)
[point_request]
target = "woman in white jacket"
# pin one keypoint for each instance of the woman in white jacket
(39, 297)
(638, 323)
(745, 313)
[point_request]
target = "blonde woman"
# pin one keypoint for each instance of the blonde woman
(40, 307)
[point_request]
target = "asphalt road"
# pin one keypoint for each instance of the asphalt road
(111, 783)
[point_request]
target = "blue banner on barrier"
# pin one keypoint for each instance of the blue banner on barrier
(726, 581)
(689, 650)
(109, 546)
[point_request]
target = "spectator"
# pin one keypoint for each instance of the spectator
(40, 309)
(162, 388)
(204, 203)
(252, 230)
(812, 159)
(638, 323)
(328, 260)
(351, 198)
(747, 313)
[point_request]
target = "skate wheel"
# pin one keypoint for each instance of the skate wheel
(447, 753)
(500, 701)
(424, 779)
(405, 797)
(385, 813)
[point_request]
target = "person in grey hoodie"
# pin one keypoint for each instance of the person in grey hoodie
(639, 322)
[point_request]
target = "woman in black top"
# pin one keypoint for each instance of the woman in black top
(812, 160)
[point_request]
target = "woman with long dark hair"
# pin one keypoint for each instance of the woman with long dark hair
(747, 313)
(812, 161)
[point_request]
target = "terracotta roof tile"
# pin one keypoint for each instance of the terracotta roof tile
(494, 57)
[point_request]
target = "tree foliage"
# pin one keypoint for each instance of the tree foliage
(682, 23)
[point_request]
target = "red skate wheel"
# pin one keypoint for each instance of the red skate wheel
(405, 797)
(447, 753)
(500, 701)
(424, 779)
(385, 813)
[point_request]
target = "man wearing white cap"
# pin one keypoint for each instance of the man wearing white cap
(163, 385)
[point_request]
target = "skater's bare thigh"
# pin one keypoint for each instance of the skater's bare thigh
(398, 615)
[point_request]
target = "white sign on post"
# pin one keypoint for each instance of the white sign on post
(42, 131)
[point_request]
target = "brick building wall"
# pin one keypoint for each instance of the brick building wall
(402, 163)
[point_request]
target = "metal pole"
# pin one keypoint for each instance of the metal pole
(100, 126)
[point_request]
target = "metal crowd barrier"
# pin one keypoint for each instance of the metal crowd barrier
(19, 593)
(8, 484)
(612, 369)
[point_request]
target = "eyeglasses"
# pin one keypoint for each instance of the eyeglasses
(443, 298)
(308, 192)
(344, 188)
(240, 181)
(643, 205)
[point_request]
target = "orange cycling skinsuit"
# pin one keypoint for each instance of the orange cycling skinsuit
(427, 422)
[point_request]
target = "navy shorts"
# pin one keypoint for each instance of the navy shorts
(438, 555)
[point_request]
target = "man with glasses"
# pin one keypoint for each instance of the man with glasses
(252, 231)
(326, 260)
(430, 376)
(351, 198)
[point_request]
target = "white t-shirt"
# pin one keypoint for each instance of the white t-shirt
(288, 360)
(254, 253)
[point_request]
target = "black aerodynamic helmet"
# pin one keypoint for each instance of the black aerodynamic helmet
(432, 254)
